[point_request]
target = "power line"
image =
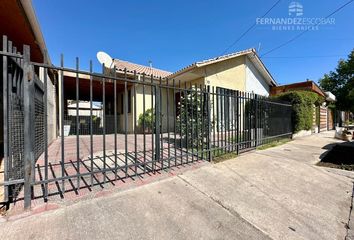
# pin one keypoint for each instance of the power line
(299, 57)
(249, 29)
(305, 31)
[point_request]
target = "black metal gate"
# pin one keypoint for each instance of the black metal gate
(119, 125)
(13, 120)
(23, 118)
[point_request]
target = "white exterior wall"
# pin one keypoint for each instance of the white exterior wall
(255, 82)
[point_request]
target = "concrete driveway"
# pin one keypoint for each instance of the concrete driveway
(272, 194)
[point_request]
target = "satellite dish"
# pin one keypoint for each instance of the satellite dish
(105, 59)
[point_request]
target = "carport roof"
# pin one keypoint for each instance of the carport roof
(19, 23)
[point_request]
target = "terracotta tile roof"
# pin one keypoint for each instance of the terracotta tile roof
(140, 69)
(248, 52)
(214, 60)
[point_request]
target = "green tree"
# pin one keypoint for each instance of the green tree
(341, 83)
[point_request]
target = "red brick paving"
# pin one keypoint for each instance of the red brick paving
(58, 197)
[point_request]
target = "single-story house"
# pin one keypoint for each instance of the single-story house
(243, 71)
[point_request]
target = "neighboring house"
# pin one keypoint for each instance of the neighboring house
(305, 86)
(243, 71)
(323, 118)
(84, 109)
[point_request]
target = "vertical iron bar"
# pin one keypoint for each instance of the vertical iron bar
(115, 122)
(160, 124)
(168, 123)
(235, 120)
(10, 109)
(144, 137)
(126, 121)
(256, 120)
(202, 92)
(62, 123)
(186, 117)
(232, 118)
(180, 119)
(250, 120)
(262, 120)
(241, 119)
(157, 121)
(247, 119)
(77, 125)
(217, 116)
(153, 128)
(45, 129)
(222, 95)
(135, 126)
(209, 125)
(195, 105)
(244, 119)
(174, 120)
(228, 98)
(192, 119)
(5, 117)
(104, 122)
(238, 121)
(91, 125)
(214, 126)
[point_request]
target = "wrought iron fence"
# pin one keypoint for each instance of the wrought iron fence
(127, 125)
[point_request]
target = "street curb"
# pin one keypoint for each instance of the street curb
(350, 224)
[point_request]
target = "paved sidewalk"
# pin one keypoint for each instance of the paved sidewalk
(276, 193)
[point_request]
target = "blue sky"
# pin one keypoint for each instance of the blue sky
(173, 34)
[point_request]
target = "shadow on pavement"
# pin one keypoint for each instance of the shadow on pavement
(338, 153)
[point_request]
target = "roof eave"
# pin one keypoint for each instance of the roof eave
(31, 15)
(265, 70)
(182, 71)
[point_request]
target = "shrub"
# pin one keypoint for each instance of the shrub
(302, 101)
(148, 117)
(192, 115)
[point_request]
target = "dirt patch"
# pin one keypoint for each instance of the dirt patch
(224, 157)
(273, 144)
(347, 167)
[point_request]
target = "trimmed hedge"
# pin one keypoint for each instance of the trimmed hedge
(302, 102)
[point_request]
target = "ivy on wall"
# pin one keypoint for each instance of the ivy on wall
(302, 101)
